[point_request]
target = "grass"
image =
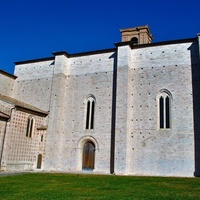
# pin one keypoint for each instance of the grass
(70, 186)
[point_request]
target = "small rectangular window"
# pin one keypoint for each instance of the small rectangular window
(41, 138)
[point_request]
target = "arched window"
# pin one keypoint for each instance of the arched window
(30, 126)
(164, 109)
(90, 106)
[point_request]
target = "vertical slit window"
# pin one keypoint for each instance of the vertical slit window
(167, 113)
(41, 138)
(90, 113)
(30, 127)
(161, 112)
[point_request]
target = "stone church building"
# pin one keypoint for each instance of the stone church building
(132, 110)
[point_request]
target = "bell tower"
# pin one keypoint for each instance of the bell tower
(138, 35)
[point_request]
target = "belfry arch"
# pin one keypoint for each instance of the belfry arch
(138, 35)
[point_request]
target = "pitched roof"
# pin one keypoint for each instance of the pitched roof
(4, 116)
(19, 105)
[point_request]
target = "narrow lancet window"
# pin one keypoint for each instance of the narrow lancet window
(161, 112)
(90, 113)
(167, 113)
(30, 126)
(164, 110)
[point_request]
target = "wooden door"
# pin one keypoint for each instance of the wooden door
(39, 161)
(88, 156)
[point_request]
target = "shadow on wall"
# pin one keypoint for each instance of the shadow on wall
(113, 120)
(195, 67)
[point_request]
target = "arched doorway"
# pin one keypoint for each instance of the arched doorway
(39, 161)
(88, 156)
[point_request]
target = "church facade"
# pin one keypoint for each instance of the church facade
(131, 110)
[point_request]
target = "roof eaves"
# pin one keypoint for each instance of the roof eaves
(136, 46)
(43, 127)
(32, 110)
(34, 60)
(4, 116)
(8, 74)
(59, 53)
(93, 52)
(23, 106)
(134, 28)
(119, 44)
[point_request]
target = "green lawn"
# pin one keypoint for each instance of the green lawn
(70, 186)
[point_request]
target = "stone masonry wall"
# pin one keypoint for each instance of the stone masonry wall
(34, 83)
(62, 87)
(74, 81)
(152, 151)
(7, 85)
(20, 152)
(2, 131)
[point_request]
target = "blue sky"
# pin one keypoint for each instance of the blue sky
(34, 29)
